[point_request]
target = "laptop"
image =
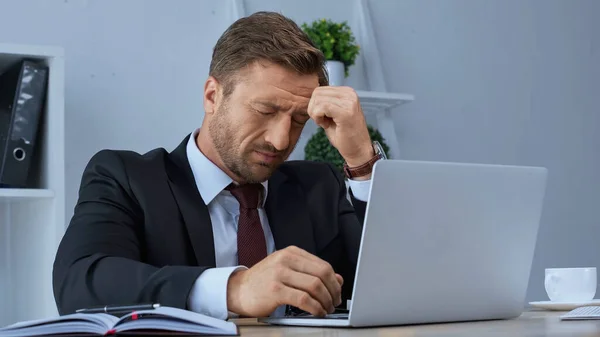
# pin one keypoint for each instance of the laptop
(442, 242)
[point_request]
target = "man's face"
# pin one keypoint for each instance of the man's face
(256, 127)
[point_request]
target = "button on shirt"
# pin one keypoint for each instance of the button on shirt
(209, 293)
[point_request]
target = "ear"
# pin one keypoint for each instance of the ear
(212, 95)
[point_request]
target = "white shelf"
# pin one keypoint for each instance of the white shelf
(36, 51)
(10, 53)
(32, 219)
(373, 101)
(9, 194)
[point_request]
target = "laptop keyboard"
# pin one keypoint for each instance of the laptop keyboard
(330, 316)
(338, 314)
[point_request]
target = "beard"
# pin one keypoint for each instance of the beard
(239, 161)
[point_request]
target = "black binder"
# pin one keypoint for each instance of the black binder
(22, 100)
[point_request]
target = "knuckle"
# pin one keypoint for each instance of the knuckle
(283, 256)
(315, 285)
(325, 269)
(304, 299)
(276, 257)
(349, 91)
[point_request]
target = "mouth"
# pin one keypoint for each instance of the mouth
(267, 157)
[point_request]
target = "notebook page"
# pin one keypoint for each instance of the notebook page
(103, 321)
(64, 328)
(176, 315)
(175, 326)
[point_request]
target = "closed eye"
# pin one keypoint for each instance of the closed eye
(301, 119)
(263, 112)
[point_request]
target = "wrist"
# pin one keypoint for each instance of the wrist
(233, 292)
(364, 157)
(361, 169)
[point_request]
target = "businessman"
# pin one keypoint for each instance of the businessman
(224, 225)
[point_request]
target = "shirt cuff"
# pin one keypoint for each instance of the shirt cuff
(360, 189)
(209, 293)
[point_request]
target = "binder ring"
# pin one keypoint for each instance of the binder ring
(19, 154)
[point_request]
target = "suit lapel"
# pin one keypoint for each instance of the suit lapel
(192, 207)
(288, 214)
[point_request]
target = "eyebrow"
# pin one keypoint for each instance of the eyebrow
(277, 107)
(268, 105)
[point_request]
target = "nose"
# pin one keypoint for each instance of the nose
(278, 132)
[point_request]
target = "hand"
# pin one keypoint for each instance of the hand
(289, 276)
(337, 110)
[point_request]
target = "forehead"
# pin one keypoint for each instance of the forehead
(277, 82)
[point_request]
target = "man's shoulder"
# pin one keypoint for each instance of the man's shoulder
(128, 156)
(118, 160)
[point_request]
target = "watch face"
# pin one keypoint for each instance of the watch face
(379, 149)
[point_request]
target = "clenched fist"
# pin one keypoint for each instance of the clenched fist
(337, 110)
(289, 276)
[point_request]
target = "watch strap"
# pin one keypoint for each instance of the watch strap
(362, 170)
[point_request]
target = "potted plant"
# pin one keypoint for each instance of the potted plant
(336, 41)
(318, 148)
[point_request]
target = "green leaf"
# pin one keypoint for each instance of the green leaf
(335, 40)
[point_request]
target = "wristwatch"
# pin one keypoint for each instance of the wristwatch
(366, 168)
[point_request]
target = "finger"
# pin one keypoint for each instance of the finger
(310, 264)
(318, 113)
(310, 284)
(340, 280)
(334, 107)
(336, 91)
(324, 122)
(324, 113)
(340, 110)
(311, 104)
(302, 300)
(338, 103)
(318, 260)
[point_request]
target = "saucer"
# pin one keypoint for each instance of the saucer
(563, 306)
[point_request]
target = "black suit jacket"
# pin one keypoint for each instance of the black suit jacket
(142, 233)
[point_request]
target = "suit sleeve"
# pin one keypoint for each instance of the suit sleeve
(350, 217)
(99, 260)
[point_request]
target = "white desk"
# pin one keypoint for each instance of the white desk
(530, 324)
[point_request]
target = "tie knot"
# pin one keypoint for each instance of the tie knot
(248, 195)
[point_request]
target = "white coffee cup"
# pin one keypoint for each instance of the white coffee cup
(571, 284)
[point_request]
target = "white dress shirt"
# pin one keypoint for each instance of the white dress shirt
(209, 293)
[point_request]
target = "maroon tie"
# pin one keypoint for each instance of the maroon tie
(252, 246)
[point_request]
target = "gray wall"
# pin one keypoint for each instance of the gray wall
(135, 69)
(496, 81)
(510, 82)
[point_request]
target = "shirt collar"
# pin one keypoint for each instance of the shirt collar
(210, 179)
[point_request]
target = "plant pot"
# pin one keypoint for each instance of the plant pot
(336, 72)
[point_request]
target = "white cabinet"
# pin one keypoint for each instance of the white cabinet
(32, 220)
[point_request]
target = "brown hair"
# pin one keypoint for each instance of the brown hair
(266, 36)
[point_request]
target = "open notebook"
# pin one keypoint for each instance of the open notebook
(163, 320)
